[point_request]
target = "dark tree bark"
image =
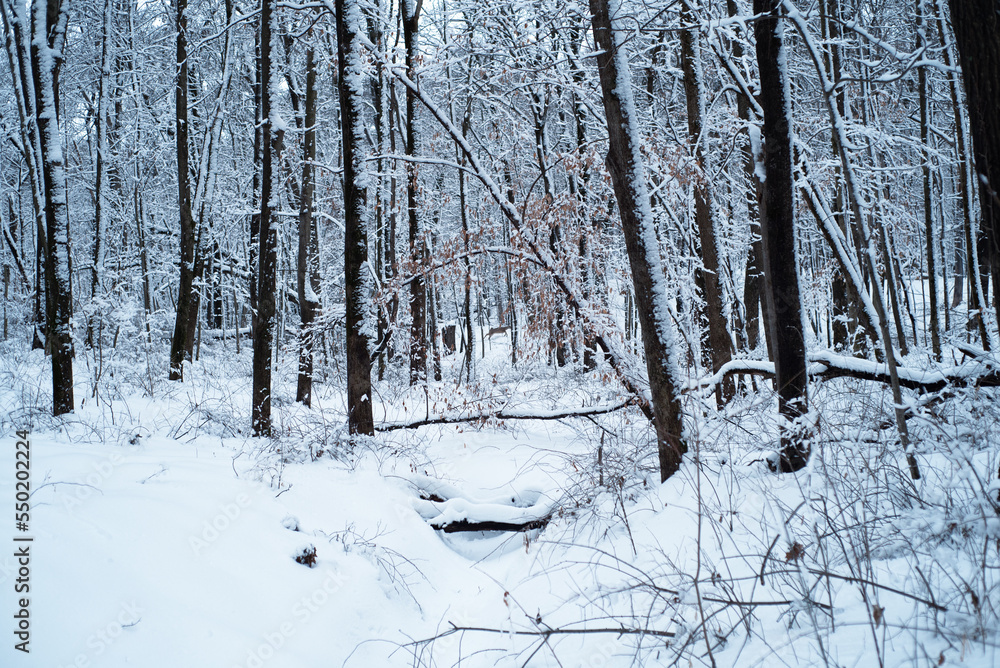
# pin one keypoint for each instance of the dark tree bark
(781, 279)
(976, 305)
(629, 181)
(263, 330)
(977, 34)
(718, 332)
(307, 270)
(470, 342)
(418, 291)
(182, 342)
(48, 29)
(359, 383)
(925, 122)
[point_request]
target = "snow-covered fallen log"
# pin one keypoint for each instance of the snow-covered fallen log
(503, 414)
(447, 509)
(981, 371)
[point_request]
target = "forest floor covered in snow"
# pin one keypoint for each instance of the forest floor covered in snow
(164, 536)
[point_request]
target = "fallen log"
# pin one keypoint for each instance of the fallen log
(488, 525)
(556, 414)
(824, 364)
(445, 509)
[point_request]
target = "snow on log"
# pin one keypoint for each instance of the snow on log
(446, 509)
(553, 414)
(980, 371)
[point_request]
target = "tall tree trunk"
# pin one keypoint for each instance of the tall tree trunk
(100, 166)
(418, 292)
(470, 342)
(258, 143)
(307, 270)
(264, 325)
(781, 278)
(980, 63)
(718, 334)
(754, 299)
(977, 34)
(926, 170)
(631, 192)
(864, 239)
(187, 297)
(360, 418)
(17, 33)
(48, 27)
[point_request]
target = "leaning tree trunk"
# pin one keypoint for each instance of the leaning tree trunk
(360, 418)
(48, 27)
(264, 323)
(629, 181)
(977, 34)
(781, 280)
(187, 299)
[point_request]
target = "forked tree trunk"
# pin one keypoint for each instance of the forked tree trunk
(781, 279)
(629, 181)
(360, 418)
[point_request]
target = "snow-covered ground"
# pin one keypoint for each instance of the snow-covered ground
(163, 537)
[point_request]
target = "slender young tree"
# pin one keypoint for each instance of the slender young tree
(926, 169)
(182, 342)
